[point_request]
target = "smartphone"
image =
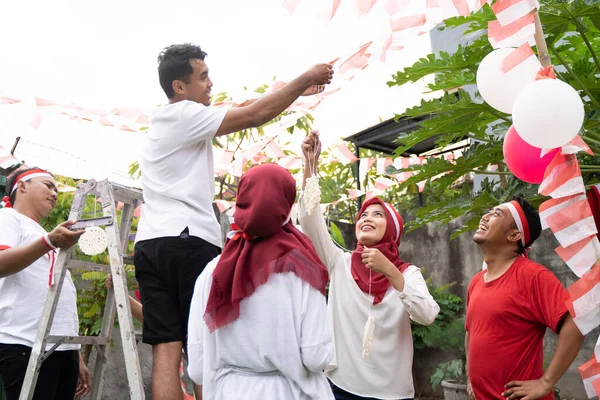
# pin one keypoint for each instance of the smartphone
(85, 223)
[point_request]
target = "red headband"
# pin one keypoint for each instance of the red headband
(28, 175)
(520, 220)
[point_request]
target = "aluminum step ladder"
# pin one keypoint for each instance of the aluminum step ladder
(117, 300)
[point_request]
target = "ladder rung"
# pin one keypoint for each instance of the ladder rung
(98, 340)
(87, 266)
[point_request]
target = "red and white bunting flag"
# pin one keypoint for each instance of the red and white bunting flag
(127, 128)
(362, 7)
(354, 194)
(513, 34)
(275, 150)
(8, 100)
(454, 8)
(36, 120)
(358, 60)
(404, 22)
(562, 177)
(253, 150)
(575, 146)
(393, 7)
(238, 165)
(381, 184)
(516, 57)
(584, 304)
(222, 205)
(7, 161)
(287, 121)
(509, 11)
(44, 102)
(290, 162)
(365, 165)
(291, 5)
(573, 223)
(105, 121)
(143, 119)
(581, 256)
(327, 9)
(590, 372)
(344, 154)
(552, 206)
(382, 163)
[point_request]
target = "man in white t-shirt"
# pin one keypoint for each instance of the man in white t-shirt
(178, 233)
(27, 256)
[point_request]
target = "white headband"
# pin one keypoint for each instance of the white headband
(396, 223)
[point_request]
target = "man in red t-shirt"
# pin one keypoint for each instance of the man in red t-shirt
(509, 306)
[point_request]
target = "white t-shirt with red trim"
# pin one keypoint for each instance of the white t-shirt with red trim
(178, 173)
(23, 295)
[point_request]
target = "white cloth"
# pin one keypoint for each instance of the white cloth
(23, 295)
(276, 349)
(387, 374)
(178, 173)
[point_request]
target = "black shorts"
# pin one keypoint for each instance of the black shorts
(57, 379)
(166, 269)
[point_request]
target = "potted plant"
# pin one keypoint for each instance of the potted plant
(446, 333)
(451, 374)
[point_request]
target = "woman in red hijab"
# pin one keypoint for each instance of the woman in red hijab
(373, 296)
(259, 327)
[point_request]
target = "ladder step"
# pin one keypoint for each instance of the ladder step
(89, 266)
(93, 340)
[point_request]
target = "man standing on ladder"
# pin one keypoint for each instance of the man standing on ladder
(27, 255)
(178, 233)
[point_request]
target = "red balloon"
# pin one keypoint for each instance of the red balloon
(523, 159)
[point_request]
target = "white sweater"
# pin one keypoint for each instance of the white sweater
(276, 349)
(387, 374)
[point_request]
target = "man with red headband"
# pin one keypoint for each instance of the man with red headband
(27, 256)
(509, 306)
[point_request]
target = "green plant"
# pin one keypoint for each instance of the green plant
(451, 338)
(446, 333)
(572, 29)
(432, 336)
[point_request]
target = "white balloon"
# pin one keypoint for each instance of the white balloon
(548, 113)
(500, 89)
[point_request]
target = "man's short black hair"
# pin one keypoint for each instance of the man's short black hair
(10, 181)
(174, 64)
(533, 220)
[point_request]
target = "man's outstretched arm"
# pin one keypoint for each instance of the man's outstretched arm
(266, 108)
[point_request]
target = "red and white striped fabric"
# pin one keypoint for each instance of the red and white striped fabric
(382, 164)
(553, 206)
(582, 255)
(364, 167)
(509, 11)
(381, 184)
(584, 304)
(590, 374)
(344, 154)
(511, 35)
(354, 194)
(573, 223)
(562, 177)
